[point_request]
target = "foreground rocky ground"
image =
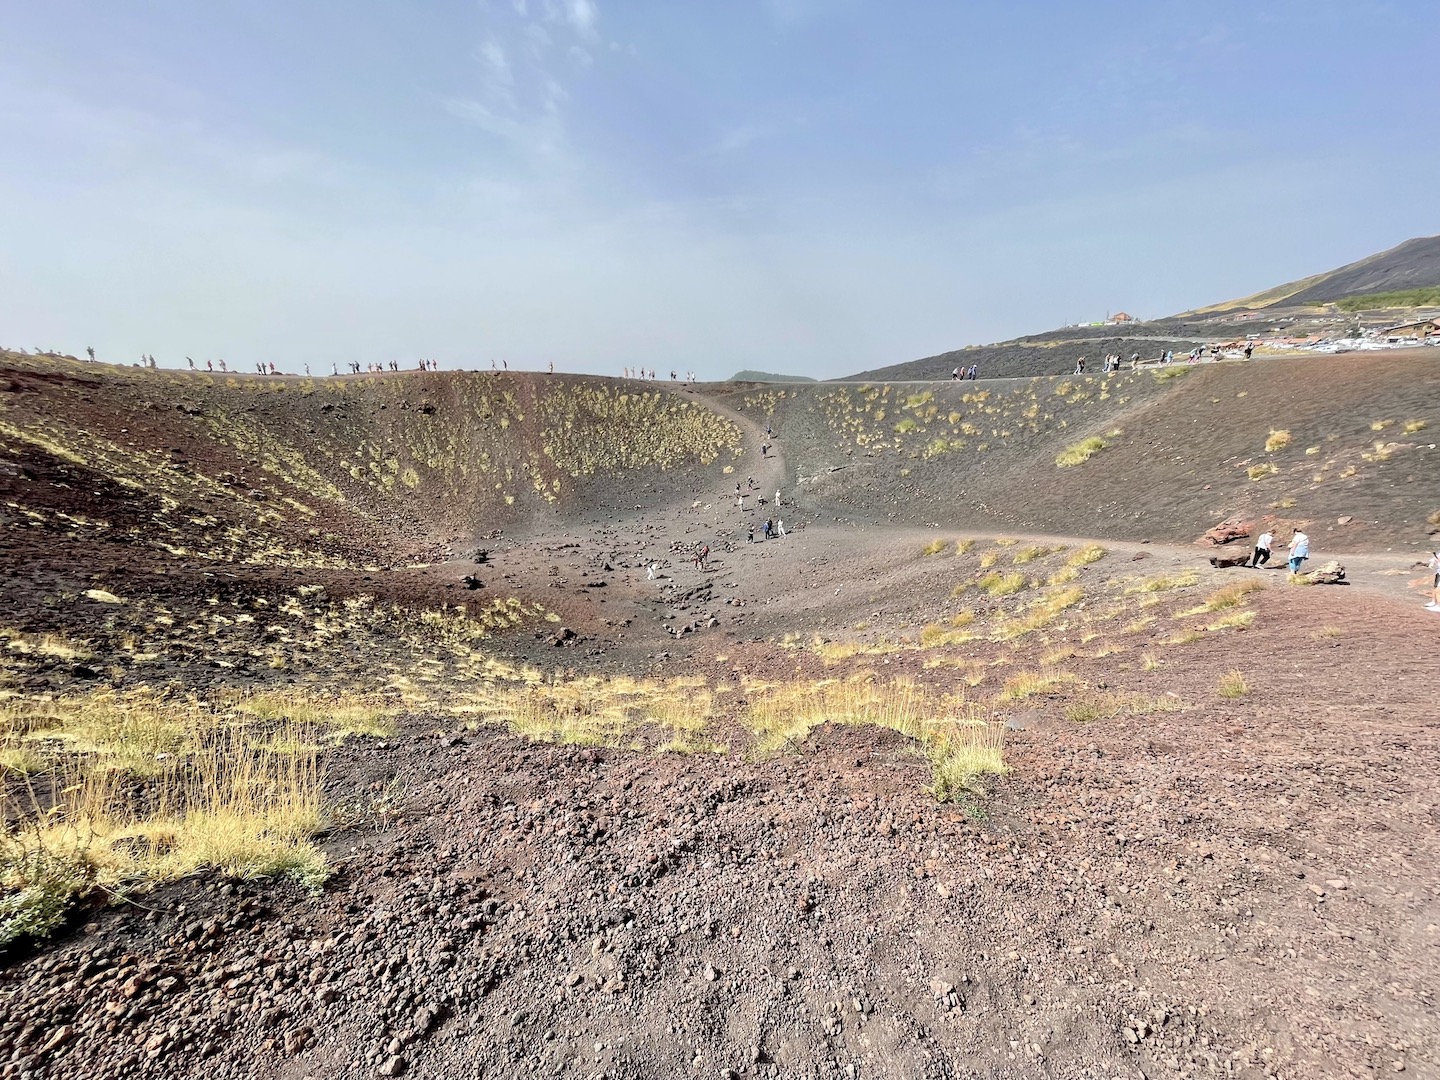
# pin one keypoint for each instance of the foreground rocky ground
(1243, 888)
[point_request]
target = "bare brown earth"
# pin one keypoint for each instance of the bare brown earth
(1244, 887)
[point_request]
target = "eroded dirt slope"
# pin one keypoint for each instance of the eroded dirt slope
(1183, 448)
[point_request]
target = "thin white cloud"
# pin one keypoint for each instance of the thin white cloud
(794, 13)
(499, 79)
(538, 38)
(519, 96)
(739, 138)
(582, 15)
(540, 136)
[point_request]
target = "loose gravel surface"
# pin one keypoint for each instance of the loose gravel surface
(1245, 888)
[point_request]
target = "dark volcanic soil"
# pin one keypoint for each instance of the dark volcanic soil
(1240, 888)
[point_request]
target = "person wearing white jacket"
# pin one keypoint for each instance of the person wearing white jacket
(1434, 604)
(1299, 550)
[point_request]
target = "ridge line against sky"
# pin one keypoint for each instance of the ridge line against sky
(789, 185)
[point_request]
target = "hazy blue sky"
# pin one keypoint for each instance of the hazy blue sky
(809, 186)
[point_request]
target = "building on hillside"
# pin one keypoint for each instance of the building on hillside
(1421, 328)
(1119, 317)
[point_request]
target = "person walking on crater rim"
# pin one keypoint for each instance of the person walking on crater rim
(1434, 567)
(955, 375)
(1299, 550)
(1261, 554)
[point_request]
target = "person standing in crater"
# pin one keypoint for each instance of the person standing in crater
(1299, 550)
(1261, 555)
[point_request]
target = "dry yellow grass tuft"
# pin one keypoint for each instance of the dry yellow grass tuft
(1278, 440)
(1232, 621)
(232, 781)
(223, 789)
(1412, 426)
(935, 635)
(1033, 683)
(1164, 582)
(1227, 596)
(1381, 452)
(1081, 452)
(962, 742)
(1063, 576)
(1086, 555)
(1107, 706)
(1260, 472)
(997, 584)
(1233, 685)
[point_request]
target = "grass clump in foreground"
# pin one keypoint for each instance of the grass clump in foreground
(1233, 685)
(1278, 440)
(596, 710)
(143, 787)
(234, 803)
(1225, 597)
(1164, 582)
(1033, 683)
(1080, 452)
(962, 742)
(997, 584)
(1107, 706)
(1090, 553)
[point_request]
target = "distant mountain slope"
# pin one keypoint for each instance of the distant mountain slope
(1409, 267)
(1415, 264)
(764, 376)
(1052, 353)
